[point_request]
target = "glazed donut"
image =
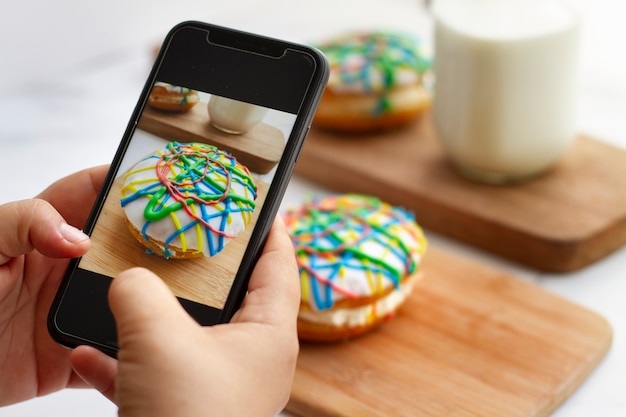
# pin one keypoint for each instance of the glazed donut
(376, 82)
(172, 98)
(358, 258)
(187, 200)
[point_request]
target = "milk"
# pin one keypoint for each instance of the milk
(504, 102)
(233, 116)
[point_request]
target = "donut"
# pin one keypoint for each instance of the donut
(187, 200)
(172, 98)
(376, 82)
(358, 257)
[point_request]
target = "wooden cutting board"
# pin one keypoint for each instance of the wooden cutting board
(259, 149)
(470, 341)
(562, 221)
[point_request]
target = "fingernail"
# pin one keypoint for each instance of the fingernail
(72, 234)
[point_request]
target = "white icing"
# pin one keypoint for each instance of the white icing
(375, 82)
(360, 316)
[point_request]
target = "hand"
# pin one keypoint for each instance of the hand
(35, 244)
(168, 365)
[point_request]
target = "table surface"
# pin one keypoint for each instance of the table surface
(65, 102)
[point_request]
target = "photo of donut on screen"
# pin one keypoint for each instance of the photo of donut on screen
(188, 191)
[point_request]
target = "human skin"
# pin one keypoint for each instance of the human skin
(167, 363)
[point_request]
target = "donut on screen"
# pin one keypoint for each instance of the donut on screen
(188, 200)
(172, 98)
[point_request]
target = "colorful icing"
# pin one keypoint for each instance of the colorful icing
(174, 94)
(374, 62)
(191, 196)
(350, 246)
(171, 88)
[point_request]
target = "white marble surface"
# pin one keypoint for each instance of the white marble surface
(72, 71)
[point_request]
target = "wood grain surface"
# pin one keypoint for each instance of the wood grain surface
(259, 149)
(562, 221)
(470, 341)
(205, 280)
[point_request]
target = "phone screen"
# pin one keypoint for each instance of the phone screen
(198, 176)
(185, 207)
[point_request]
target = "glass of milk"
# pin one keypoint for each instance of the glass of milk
(233, 116)
(505, 85)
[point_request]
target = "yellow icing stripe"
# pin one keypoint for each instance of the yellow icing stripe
(304, 286)
(198, 228)
(183, 238)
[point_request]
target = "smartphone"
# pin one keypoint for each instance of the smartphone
(198, 176)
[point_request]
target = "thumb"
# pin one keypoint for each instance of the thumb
(35, 224)
(145, 310)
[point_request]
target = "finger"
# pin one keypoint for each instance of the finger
(35, 224)
(96, 369)
(73, 196)
(145, 309)
(273, 292)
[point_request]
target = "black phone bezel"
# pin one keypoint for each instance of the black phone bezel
(79, 313)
